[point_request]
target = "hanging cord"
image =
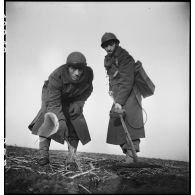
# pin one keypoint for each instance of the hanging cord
(143, 111)
(144, 121)
(111, 94)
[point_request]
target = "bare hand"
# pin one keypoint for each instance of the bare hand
(110, 93)
(118, 108)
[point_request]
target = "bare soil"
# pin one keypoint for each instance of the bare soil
(97, 174)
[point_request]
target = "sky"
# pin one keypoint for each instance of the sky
(40, 35)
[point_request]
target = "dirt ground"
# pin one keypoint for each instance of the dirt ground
(97, 174)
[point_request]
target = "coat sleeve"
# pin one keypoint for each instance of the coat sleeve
(85, 96)
(54, 97)
(126, 70)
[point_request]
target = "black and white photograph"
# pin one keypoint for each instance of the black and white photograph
(97, 97)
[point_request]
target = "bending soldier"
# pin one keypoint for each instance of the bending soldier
(61, 115)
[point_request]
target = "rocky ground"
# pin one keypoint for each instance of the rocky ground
(97, 174)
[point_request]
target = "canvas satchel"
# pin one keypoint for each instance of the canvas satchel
(142, 80)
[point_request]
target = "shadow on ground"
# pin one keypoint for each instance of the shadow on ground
(98, 174)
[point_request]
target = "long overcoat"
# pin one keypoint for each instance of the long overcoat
(120, 69)
(60, 92)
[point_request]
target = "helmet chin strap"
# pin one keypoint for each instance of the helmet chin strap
(108, 36)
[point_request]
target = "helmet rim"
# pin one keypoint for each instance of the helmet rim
(108, 36)
(114, 40)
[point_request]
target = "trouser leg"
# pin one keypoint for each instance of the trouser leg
(72, 141)
(44, 144)
(72, 148)
(126, 148)
(73, 144)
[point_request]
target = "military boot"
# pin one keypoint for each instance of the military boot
(44, 144)
(129, 157)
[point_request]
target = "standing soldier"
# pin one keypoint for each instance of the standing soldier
(61, 115)
(120, 67)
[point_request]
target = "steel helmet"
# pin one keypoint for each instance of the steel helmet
(75, 58)
(108, 37)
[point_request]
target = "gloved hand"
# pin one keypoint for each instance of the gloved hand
(75, 110)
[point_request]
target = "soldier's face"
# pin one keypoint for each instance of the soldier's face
(75, 73)
(110, 47)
